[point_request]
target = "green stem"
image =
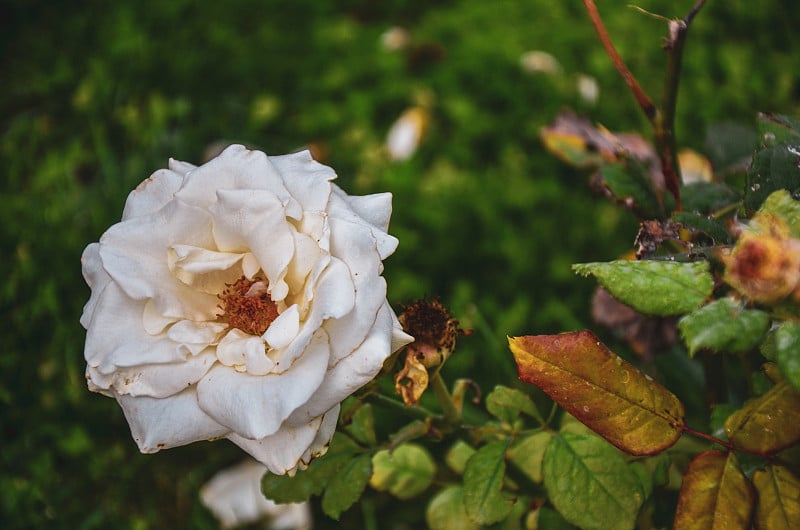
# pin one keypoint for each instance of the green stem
(417, 413)
(452, 417)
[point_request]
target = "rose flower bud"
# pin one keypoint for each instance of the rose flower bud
(434, 331)
(240, 299)
(765, 263)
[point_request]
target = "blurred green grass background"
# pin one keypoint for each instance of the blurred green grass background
(95, 96)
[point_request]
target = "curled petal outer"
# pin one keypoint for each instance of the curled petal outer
(165, 423)
(293, 446)
(256, 406)
(165, 281)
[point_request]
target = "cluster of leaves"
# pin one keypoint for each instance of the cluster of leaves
(725, 270)
(619, 452)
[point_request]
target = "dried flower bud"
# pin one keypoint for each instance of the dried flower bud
(434, 331)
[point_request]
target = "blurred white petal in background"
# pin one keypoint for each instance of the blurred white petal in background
(234, 497)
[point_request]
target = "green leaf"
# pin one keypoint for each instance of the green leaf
(483, 483)
(312, 481)
(528, 453)
(778, 498)
(604, 392)
(458, 455)
(590, 483)
(653, 287)
(446, 511)
(777, 129)
(773, 168)
(362, 425)
(730, 144)
(706, 197)
(781, 204)
(768, 423)
(714, 228)
(405, 472)
(630, 184)
(547, 519)
(723, 325)
(506, 403)
(346, 486)
(715, 494)
(787, 351)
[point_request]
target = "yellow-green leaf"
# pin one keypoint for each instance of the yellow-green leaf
(528, 453)
(446, 511)
(768, 423)
(715, 494)
(405, 472)
(590, 483)
(609, 395)
(778, 504)
(346, 487)
(484, 499)
(506, 404)
(653, 287)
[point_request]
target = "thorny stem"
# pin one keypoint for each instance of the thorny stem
(662, 120)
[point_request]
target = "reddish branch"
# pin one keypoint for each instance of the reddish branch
(662, 120)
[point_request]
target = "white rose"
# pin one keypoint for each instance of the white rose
(241, 299)
(234, 497)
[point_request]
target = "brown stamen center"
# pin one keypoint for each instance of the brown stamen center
(246, 305)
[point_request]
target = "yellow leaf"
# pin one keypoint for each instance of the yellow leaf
(609, 395)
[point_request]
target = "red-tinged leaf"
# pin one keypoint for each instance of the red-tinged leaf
(609, 395)
(778, 499)
(768, 423)
(715, 494)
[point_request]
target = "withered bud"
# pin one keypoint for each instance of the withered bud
(434, 331)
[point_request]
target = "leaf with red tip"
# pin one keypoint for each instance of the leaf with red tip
(609, 395)
(715, 494)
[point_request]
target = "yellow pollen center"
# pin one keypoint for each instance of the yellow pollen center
(246, 305)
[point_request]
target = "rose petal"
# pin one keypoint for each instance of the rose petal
(284, 328)
(193, 333)
(339, 208)
(236, 168)
(323, 438)
(153, 380)
(352, 372)
(243, 351)
(256, 220)
(152, 194)
(306, 179)
(134, 254)
(96, 278)
(292, 446)
(234, 497)
(153, 321)
(182, 168)
(205, 270)
(333, 298)
(163, 423)
(114, 336)
(376, 209)
(256, 406)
